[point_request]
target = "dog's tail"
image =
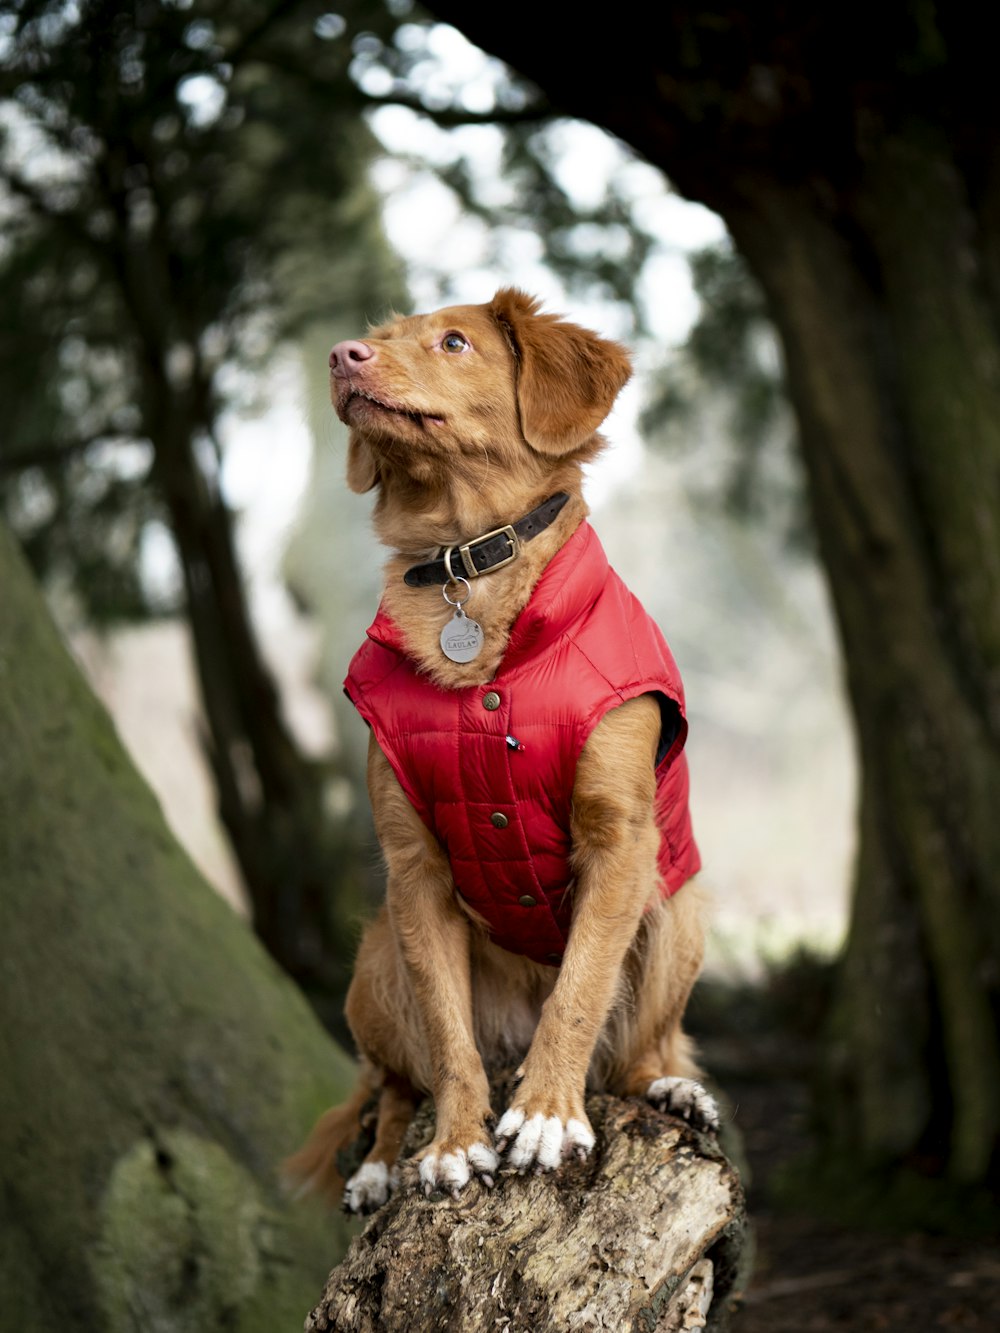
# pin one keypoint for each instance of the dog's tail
(315, 1169)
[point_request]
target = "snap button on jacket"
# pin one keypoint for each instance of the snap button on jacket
(582, 646)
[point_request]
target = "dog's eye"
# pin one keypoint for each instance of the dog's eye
(454, 342)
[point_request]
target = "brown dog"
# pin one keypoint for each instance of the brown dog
(525, 765)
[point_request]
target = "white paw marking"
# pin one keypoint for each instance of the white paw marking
(579, 1137)
(542, 1140)
(507, 1126)
(452, 1171)
(368, 1188)
(527, 1142)
(449, 1171)
(686, 1098)
(484, 1161)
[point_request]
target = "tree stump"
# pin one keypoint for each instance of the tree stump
(645, 1235)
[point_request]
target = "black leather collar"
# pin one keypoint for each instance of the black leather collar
(484, 554)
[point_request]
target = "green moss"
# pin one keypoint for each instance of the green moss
(178, 1247)
(157, 1065)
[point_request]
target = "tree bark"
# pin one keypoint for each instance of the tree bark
(898, 399)
(646, 1234)
(157, 1066)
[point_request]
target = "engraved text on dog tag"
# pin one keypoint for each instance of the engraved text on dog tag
(462, 638)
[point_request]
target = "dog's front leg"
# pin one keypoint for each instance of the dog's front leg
(432, 936)
(615, 844)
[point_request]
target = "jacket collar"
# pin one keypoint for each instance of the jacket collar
(568, 587)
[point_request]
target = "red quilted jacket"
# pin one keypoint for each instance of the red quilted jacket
(490, 768)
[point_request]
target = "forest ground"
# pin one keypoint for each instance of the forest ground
(817, 1269)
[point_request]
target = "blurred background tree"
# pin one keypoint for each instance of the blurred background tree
(731, 365)
(184, 189)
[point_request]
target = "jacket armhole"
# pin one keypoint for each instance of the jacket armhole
(673, 728)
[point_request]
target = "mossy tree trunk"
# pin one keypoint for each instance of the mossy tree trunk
(156, 1064)
(898, 399)
(853, 154)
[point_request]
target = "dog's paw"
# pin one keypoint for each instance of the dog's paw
(685, 1098)
(542, 1141)
(452, 1171)
(369, 1188)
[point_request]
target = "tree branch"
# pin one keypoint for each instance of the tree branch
(68, 220)
(452, 117)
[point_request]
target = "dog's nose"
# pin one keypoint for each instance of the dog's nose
(348, 356)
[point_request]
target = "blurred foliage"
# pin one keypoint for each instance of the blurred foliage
(597, 250)
(597, 247)
(728, 382)
(182, 185)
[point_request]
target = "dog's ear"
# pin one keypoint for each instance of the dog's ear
(362, 467)
(567, 377)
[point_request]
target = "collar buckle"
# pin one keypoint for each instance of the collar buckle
(487, 552)
(469, 565)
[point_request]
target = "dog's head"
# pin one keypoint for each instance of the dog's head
(500, 382)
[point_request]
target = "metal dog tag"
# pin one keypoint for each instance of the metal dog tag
(462, 638)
